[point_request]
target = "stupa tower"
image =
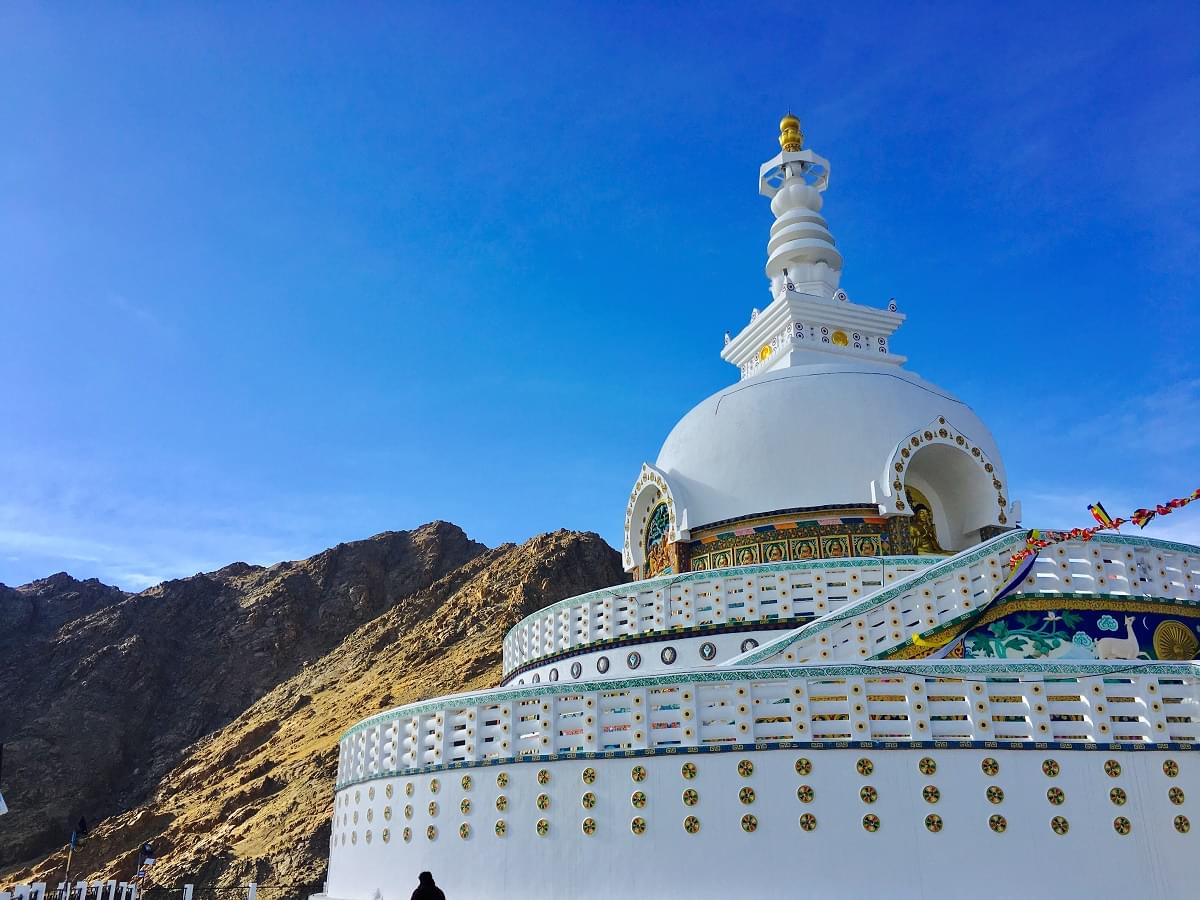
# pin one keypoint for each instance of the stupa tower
(810, 319)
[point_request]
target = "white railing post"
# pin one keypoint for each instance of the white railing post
(252, 891)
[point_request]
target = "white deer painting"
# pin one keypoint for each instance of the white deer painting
(1119, 648)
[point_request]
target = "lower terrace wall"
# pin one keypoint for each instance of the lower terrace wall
(844, 821)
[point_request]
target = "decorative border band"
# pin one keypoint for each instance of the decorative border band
(758, 746)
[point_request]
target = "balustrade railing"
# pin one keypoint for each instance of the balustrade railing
(1117, 566)
(788, 592)
(947, 700)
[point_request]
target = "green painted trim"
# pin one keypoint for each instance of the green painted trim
(918, 668)
(767, 746)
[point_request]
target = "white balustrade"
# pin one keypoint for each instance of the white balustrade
(945, 700)
(794, 591)
(1108, 565)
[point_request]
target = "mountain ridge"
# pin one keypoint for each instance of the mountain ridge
(251, 799)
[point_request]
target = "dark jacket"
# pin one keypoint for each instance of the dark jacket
(427, 890)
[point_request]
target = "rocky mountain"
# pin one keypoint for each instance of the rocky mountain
(115, 686)
(251, 799)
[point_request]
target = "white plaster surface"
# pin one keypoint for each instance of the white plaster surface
(812, 436)
(837, 860)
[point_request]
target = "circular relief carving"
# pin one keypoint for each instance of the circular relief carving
(602, 665)
(370, 815)
(385, 835)
(997, 823)
(501, 828)
(638, 799)
(1182, 825)
(387, 792)
(708, 650)
(1170, 768)
(868, 794)
(995, 794)
(933, 822)
(990, 767)
(358, 796)
(589, 775)
(691, 825)
(1175, 795)
(554, 674)
(634, 659)
(803, 766)
(746, 795)
(368, 835)
(433, 808)
(543, 802)
(1122, 825)
(387, 813)
(1056, 796)
(1050, 768)
(588, 800)
(638, 825)
(805, 793)
(371, 793)
(465, 807)
(864, 766)
(576, 669)
(464, 831)
(870, 822)
(467, 782)
(638, 774)
(408, 789)
(749, 823)
(1118, 796)
(931, 793)
(434, 785)
(927, 766)
(408, 811)
(589, 826)
(688, 770)
(691, 797)
(407, 835)
(745, 768)
(1112, 768)
(749, 644)
(501, 803)
(543, 776)
(354, 837)
(667, 656)
(808, 822)
(543, 827)
(1059, 825)
(431, 832)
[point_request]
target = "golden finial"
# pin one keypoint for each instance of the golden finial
(791, 138)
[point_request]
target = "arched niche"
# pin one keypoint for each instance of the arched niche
(650, 492)
(963, 486)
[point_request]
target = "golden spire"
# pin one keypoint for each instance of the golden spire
(791, 138)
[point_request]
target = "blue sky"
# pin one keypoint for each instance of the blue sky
(280, 277)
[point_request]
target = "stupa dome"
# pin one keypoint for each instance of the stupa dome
(825, 436)
(826, 447)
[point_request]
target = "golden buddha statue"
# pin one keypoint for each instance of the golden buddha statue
(923, 532)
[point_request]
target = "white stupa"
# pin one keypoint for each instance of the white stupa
(826, 679)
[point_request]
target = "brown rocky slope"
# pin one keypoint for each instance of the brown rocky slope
(252, 801)
(115, 687)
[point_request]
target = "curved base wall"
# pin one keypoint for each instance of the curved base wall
(1044, 820)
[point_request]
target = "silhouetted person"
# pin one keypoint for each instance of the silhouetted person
(427, 890)
(81, 828)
